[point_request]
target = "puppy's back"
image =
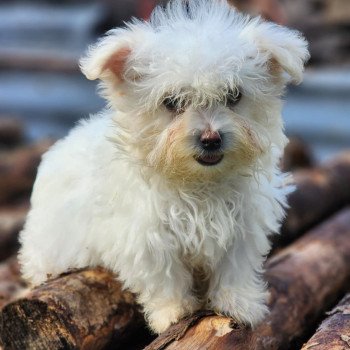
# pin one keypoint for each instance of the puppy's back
(55, 235)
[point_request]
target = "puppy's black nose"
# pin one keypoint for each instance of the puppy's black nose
(210, 140)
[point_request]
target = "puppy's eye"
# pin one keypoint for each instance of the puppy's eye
(173, 105)
(232, 98)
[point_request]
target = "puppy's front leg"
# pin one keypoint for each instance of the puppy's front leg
(237, 289)
(163, 285)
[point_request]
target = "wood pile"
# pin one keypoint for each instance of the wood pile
(308, 274)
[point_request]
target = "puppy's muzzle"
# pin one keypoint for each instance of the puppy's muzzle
(210, 143)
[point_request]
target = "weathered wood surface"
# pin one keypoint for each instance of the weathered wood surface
(18, 170)
(11, 284)
(82, 310)
(334, 331)
(304, 279)
(320, 192)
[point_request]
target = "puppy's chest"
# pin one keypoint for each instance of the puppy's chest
(202, 231)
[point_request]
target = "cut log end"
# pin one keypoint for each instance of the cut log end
(32, 324)
(82, 310)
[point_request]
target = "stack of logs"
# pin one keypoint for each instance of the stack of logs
(308, 274)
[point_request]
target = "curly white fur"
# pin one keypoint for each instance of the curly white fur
(125, 189)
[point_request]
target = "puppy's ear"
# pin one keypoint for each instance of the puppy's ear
(287, 49)
(107, 60)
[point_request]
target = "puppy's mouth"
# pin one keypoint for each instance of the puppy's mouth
(209, 159)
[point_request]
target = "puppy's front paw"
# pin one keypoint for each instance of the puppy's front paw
(246, 308)
(160, 319)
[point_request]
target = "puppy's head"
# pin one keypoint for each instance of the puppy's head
(198, 87)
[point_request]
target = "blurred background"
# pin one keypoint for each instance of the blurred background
(41, 85)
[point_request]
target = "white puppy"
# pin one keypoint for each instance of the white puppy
(174, 186)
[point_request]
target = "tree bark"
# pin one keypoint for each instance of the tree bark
(81, 310)
(320, 193)
(334, 332)
(11, 284)
(304, 279)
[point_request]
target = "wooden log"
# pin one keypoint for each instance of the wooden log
(82, 310)
(334, 332)
(18, 170)
(304, 279)
(320, 193)
(11, 222)
(11, 284)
